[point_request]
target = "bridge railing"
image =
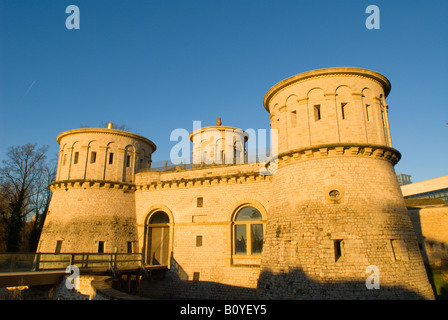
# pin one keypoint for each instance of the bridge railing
(22, 262)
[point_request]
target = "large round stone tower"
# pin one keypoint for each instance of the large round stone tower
(338, 227)
(93, 208)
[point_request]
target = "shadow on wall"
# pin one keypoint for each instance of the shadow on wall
(292, 285)
(170, 286)
(436, 260)
(296, 285)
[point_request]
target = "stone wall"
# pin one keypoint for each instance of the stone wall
(90, 288)
(431, 225)
(82, 215)
(319, 246)
(223, 191)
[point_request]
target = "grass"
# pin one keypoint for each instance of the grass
(439, 285)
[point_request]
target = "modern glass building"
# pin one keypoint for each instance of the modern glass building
(432, 188)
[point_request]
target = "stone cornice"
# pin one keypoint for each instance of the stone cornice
(337, 150)
(238, 178)
(95, 184)
(109, 132)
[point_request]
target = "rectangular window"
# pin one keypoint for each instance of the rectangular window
(111, 158)
(100, 246)
(256, 238)
(343, 109)
(195, 276)
(128, 161)
(58, 246)
(129, 246)
(317, 112)
(240, 239)
(367, 112)
(93, 157)
(294, 119)
(65, 159)
(198, 241)
(200, 202)
(75, 160)
(337, 249)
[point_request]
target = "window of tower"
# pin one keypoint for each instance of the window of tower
(199, 202)
(337, 249)
(100, 246)
(343, 110)
(111, 158)
(198, 241)
(367, 112)
(294, 119)
(317, 115)
(75, 160)
(58, 246)
(93, 157)
(128, 161)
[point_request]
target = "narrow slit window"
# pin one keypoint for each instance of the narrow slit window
(111, 158)
(128, 161)
(199, 202)
(65, 159)
(337, 250)
(394, 245)
(129, 246)
(195, 276)
(75, 160)
(58, 246)
(198, 241)
(317, 115)
(294, 118)
(343, 110)
(93, 157)
(100, 246)
(367, 112)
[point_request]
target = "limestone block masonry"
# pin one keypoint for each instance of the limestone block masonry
(336, 206)
(93, 204)
(331, 209)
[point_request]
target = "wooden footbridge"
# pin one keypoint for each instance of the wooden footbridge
(33, 269)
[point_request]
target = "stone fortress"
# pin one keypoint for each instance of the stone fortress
(331, 210)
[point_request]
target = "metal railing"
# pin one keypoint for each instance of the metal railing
(95, 262)
(251, 156)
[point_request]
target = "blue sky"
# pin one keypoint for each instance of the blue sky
(159, 65)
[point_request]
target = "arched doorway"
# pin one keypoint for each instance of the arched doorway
(157, 239)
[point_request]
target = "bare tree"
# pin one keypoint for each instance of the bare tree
(40, 203)
(19, 180)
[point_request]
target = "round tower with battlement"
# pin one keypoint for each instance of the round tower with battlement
(93, 208)
(338, 227)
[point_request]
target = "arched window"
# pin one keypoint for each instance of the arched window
(248, 232)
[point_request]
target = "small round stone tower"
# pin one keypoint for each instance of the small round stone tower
(218, 145)
(338, 227)
(93, 208)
